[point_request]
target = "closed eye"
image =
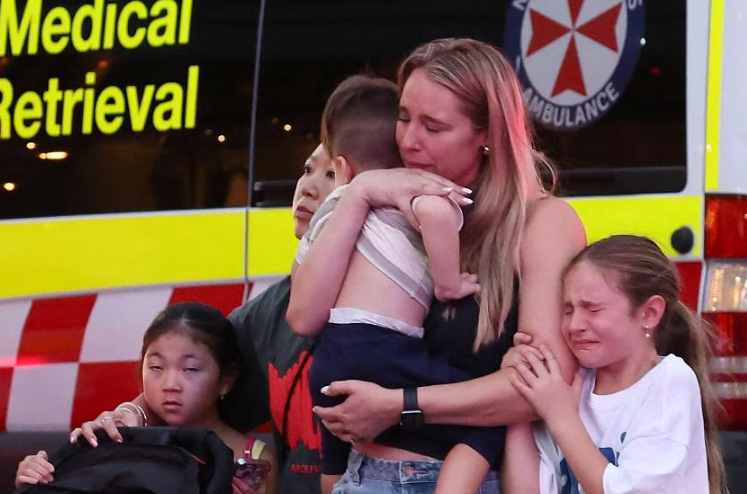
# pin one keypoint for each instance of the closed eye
(403, 115)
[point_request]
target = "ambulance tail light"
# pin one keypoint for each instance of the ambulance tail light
(729, 368)
(726, 227)
(725, 302)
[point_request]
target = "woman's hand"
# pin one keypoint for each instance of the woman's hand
(109, 421)
(397, 187)
(34, 469)
(367, 411)
(541, 383)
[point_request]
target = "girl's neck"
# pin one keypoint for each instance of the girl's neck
(617, 377)
(210, 421)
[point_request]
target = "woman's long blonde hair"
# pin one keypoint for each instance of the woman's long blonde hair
(490, 94)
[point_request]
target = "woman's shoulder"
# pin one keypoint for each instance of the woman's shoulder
(551, 221)
(550, 213)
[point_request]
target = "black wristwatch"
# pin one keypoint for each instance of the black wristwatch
(412, 416)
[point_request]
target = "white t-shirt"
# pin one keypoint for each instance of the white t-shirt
(388, 242)
(652, 433)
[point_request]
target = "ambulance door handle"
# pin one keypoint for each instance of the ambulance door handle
(683, 239)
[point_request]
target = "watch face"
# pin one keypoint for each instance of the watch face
(412, 420)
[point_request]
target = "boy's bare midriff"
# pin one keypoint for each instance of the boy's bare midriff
(367, 288)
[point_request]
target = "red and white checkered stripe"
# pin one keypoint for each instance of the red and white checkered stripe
(65, 359)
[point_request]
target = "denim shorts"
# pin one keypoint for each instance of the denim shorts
(369, 475)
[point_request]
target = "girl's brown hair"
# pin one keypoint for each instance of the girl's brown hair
(641, 271)
(490, 95)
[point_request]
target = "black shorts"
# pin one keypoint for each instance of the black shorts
(392, 360)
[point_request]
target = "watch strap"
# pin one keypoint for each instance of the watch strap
(410, 400)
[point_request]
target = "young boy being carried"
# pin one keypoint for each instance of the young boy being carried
(375, 329)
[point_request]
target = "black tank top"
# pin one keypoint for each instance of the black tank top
(450, 331)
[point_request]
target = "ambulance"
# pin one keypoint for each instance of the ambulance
(148, 152)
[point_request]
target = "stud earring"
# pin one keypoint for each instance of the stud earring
(485, 151)
(647, 329)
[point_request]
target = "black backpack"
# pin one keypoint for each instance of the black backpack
(150, 460)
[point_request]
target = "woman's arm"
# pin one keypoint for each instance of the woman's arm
(327, 261)
(553, 236)
(124, 415)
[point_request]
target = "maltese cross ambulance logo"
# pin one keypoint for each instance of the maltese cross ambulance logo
(574, 57)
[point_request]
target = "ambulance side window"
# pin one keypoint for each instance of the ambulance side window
(639, 145)
(96, 123)
(102, 120)
(630, 138)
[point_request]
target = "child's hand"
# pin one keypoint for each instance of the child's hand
(467, 286)
(542, 384)
(522, 343)
(34, 469)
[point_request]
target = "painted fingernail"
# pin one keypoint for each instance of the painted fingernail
(448, 189)
(72, 440)
(95, 443)
(467, 200)
(466, 190)
(325, 390)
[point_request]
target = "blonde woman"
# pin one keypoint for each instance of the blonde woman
(461, 121)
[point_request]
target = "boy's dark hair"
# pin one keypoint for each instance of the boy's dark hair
(359, 123)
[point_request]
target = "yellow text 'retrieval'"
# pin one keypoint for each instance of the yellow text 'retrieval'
(59, 112)
(93, 26)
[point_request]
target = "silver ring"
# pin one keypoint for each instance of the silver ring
(106, 418)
